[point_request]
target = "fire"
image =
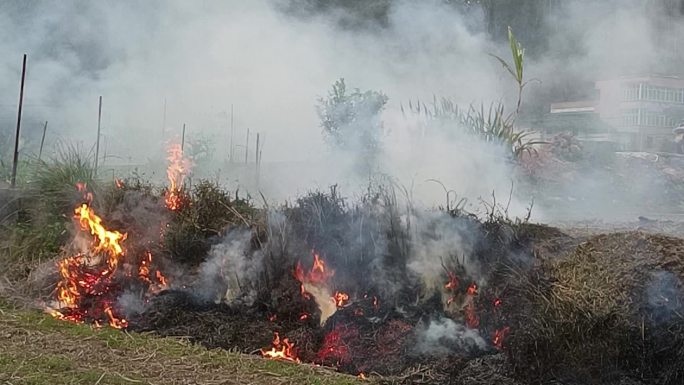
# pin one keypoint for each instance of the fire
(341, 299)
(335, 349)
(176, 172)
(317, 275)
(80, 277)
(313, 283)
(304, 316)
(281, 350)
(119, 183)
(453, 282)
(362, 376)
(471, 317)
(108, 241)
(451, 285)
(499, 336)
(91, 278)
(144, 274)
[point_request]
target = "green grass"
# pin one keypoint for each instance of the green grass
(38, 349)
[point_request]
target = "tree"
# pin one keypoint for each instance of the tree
(351, 120)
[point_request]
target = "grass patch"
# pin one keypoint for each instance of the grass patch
(41, 350)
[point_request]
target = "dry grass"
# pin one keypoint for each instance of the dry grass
(37, 349)
(609, 308)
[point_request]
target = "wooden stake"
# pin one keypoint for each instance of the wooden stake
(232, 131)
(183, 139)
(256, 161)
(15, 160)
(97, 145)
(42, 141)
(247, 147)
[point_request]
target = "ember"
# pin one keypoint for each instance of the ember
(471, 317)
(281, 350)
(335, 349)
(499, 336)
(341, 299)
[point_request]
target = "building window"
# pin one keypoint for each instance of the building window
(630, 117)
(630, 92)
(639, 117)
(653, 119)
(657, 94)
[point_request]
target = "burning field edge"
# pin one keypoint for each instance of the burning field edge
(37, 349)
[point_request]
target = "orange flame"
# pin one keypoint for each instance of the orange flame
(341, 299)
(318, 273)
(304, 316)
(471, 318)
(499, 336)
(453, 281)
(87, 290)
(144, 274)
(362, 376)
(281, 350)
(119, 183)
(108, 241)
(177, 170)
(78, 280)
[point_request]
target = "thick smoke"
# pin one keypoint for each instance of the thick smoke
(444, 336)
(438, 241)
(664, 298)
(163, 64)
(230, 269)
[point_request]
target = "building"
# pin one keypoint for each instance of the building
(635, 113)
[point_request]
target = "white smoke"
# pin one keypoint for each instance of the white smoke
(230, 268)
(444, 336)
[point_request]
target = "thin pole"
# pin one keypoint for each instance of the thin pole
(104, 157)
(15, 160)
(97, 146)
(232, 131)
(183, 139)
(42, 141)
(247, 147)
(256, 156)
(256, 161)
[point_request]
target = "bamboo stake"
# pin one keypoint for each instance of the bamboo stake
(97, 145)
(15, 160)
(183, 139)
(247, 147)
(42, 141)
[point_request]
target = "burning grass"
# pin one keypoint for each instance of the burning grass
(369, 287)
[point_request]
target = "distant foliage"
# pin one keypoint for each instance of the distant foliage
(491, 124)
(347, 117)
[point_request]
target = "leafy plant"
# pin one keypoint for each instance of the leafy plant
(516, 70)
(351, 118)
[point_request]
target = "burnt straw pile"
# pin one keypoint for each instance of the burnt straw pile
(375, 286)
